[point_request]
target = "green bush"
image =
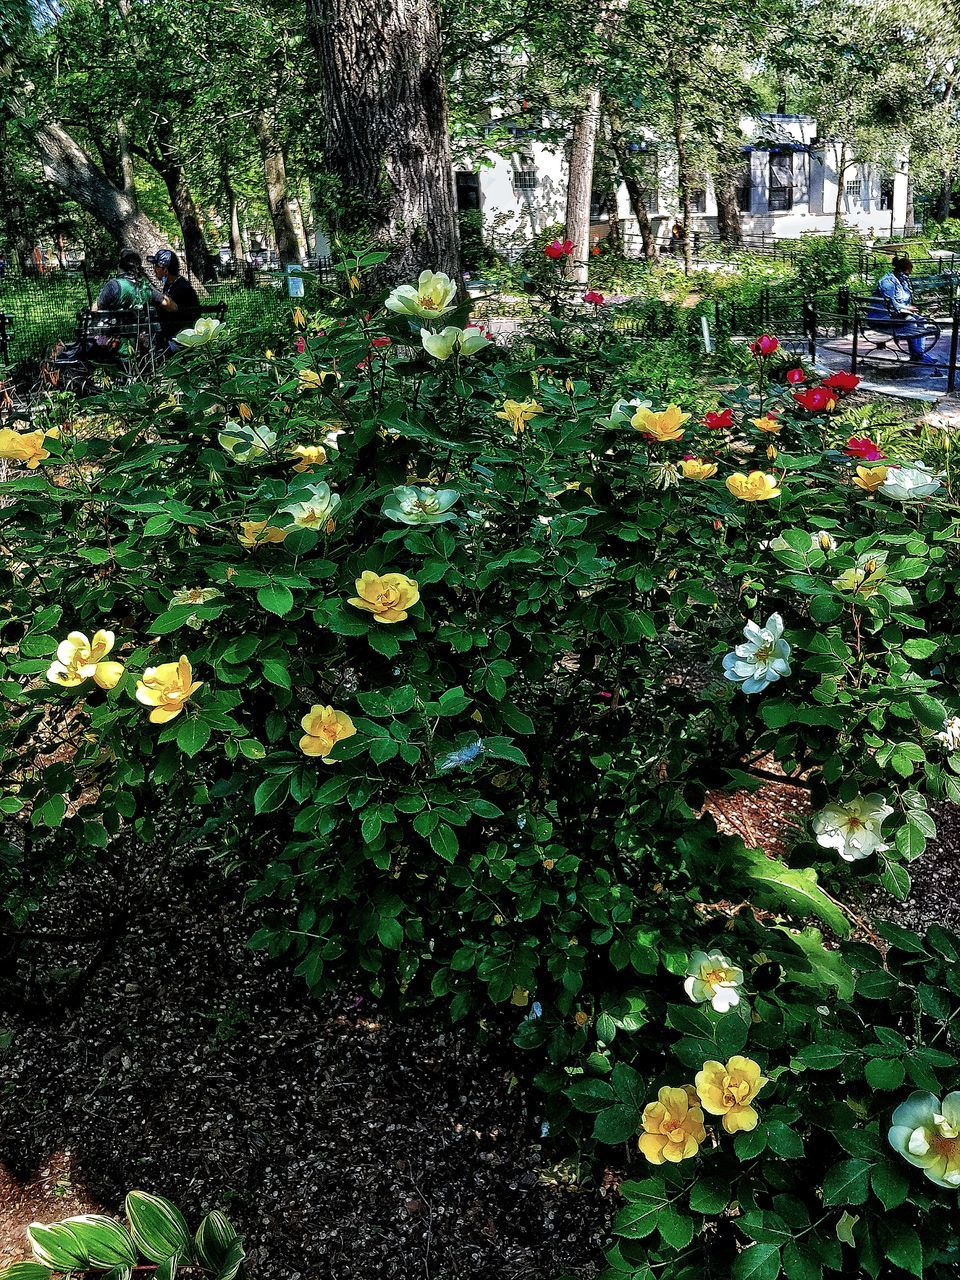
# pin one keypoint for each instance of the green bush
(459, 740)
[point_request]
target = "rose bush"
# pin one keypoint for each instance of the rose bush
(462, 744)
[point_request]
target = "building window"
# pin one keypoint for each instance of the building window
(781, 181)
(468, 191)
(886, 192)
(646, 169)
(598, 207)
(743, 186)
(698, 200)
(854, 187)
(525, 179)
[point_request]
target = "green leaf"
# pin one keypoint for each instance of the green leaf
(795, 888)
(759, 1262)
(799, 1264)
(891, 1185)
(107, 1243)
(785, 1141)
(55, 1245)
(710, 1195)
(902, 1247)
(158, 1227)
(847, 1182)
(390, 933)
(884, 1073)
(275, 672)
(193, 734)
(271, 794)
(276, 598)
(214, 1238)
(896, 878)
(676, 1228)
(845, 1225)
(26, 1271)
(616, 1124)
(444, 842)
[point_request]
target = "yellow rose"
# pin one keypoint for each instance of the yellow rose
(771, 452)
(299, 319)
(727, 1091)
(80, 659)
(870, 478)
(256, 533)
(312, 380)
(660, 426)
(697, 469)
(756, 487)
(22, 446)
(323, 728)
(245, 412)
(768, 424)
(387, 597)
(672, 1126)
(166, 688)
(519, 412)
(308, 456)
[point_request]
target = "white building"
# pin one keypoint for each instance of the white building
(788, 185)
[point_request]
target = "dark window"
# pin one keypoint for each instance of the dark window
(468, 191)
(854, 186)
(886, 193)
(525, 179)
(743, 185)
(646, 168)
(698, 200)
(598, 207)
(781, 181)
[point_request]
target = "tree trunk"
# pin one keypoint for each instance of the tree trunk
(387, 139)
(614, 234)
(909, 225)
(683, 176)
(628, 172)
(841, 174)
(583, 146)
(166, 160)
(728, 213)
(941, 208)
(278, 195)
(68, 167)
(128, 181)
(236, 240)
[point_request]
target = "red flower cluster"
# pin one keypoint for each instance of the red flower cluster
(765, 345)
(816, 399)
(381, 342)
(718, 421)
(300, 344)
(795, 377)
(595, 299)
(842, 383)
(559, 249)
(863, 447)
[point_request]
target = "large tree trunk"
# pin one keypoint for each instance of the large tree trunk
(128, 181)
(728, 213)
(233, 205)
(68, 167)
(683, 176)
(628, 171)
(583, 146)
(387, 139)
(170, 167)
(909, 223)
(941, 208)
(278, 195)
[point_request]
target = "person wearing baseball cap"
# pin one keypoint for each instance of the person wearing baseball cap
(178, 306)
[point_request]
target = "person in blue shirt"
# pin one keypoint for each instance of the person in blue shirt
(891, 308)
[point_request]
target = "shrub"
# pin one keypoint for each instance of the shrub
(433, 649)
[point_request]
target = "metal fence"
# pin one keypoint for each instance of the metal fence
(42, 309)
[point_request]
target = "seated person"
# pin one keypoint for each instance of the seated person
(176, 301)
(891, 308)
(126, 291)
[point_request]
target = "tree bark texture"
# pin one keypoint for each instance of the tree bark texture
(386, 138)
(233, 208)
(683, 176)
(166, 160)
(583, 145)
(728, 214)
(631, 180)
(70, 168)
(278, 193)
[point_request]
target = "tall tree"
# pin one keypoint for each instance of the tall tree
(386, 136)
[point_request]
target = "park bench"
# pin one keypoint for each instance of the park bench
(885, 341)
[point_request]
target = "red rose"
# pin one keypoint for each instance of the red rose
(863, 447)
(717, 421)
(594, 298)
(300, 345)
(795, 376)
(559, 249)
(381, 342)
(842, 383)
(815, 399)
(765, 345)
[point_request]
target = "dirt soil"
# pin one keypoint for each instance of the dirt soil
(346, 1144)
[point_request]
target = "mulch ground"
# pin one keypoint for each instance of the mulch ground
(345, 1143)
